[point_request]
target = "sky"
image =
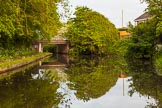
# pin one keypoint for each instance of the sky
(112, 9)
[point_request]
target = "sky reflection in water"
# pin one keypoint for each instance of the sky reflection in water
(116, 97)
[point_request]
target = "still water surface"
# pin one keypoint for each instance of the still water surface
(87, 82)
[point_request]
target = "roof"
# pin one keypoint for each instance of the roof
(144, 16)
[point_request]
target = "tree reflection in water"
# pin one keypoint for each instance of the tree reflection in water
(145, 81)
(92, 78)
(88, 80)
(22, 91)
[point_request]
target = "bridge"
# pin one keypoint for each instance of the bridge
(61, 42)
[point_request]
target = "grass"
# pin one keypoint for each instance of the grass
(13, 53)
(23, 60)
(158, 63)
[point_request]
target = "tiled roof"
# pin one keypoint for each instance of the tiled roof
(146, 15)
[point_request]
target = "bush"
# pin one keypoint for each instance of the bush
(143, 40)
(121, 46)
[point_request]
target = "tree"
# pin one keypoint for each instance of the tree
(130, 26)
(91, 32)
(145, 35)
(143, 40)
(22, 22)
(155, 8)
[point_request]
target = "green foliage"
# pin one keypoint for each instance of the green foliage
(123, 29)
(22, 22)
(21, 60)
(49, 48)
(21, 90)
(90, 32)
(159, 27)
(121, 47)
(143, 40)
(15, 53)
(92, 78)
(155, 9)
(154, 6)
(130, 26)
(158, 62)
(145, 81)
(145, 35)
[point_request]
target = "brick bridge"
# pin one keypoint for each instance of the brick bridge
(61, 42)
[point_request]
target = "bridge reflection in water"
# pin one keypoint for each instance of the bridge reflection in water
(62, 61)
(54, 69)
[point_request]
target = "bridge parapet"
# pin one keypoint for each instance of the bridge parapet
(61, 42)
(53, 42)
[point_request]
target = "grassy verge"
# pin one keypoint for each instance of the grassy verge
(14, 63)
(158, 63)
(14, 53)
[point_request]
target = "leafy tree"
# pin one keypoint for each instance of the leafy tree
(155, 8)
(22, 22)
(130, 26)
(121, 47)
(145, 35)
(143, 40)
(91, 32)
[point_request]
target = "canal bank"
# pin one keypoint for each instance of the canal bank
(13, 64)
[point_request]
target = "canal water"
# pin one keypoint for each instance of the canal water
(85, 82)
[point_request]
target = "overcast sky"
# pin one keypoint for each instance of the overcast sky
(112, 9)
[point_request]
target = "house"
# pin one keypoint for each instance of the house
(144, 17)
(123, 34)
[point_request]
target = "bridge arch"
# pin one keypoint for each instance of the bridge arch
(61, 42)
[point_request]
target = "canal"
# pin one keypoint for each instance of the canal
(85, 82)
